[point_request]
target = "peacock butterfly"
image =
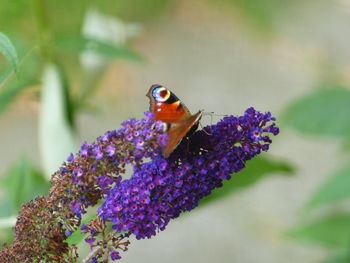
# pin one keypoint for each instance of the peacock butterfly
(170, 110)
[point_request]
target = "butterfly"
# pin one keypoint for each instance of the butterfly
(170, 110)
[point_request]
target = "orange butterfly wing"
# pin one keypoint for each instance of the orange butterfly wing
(169, 109)
(179, 130)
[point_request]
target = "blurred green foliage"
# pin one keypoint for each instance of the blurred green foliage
(334, 189)
(330, 231)
(10, 92)
(75, 43)
(9, 51)
(28, 67)
(21, 183)
(260, 14)
(256, 169)
(263, 16)
(340, 257)
(325, 112)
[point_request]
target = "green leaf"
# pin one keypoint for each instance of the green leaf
(256, 170)
(22, 183)
(335, 188)
(78, 44)
(331, 231)
(323, 112)
(57, 137)
(339, 257)
(9, 51)
(11, 87)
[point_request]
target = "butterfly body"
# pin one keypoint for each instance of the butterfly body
(169, 109)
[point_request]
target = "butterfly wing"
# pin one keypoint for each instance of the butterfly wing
(169, 109)
(177, 131)
(166, 106)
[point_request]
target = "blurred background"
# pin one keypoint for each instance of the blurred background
(71, 70)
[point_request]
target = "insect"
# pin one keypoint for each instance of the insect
(169, 109)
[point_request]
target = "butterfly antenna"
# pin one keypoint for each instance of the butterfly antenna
(208, 133)
(211, 113)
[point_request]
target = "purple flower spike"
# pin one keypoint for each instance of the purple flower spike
(159, 189)
(168, 187)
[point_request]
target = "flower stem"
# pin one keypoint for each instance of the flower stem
(91, 254)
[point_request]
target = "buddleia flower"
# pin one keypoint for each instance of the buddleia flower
(159, 189)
